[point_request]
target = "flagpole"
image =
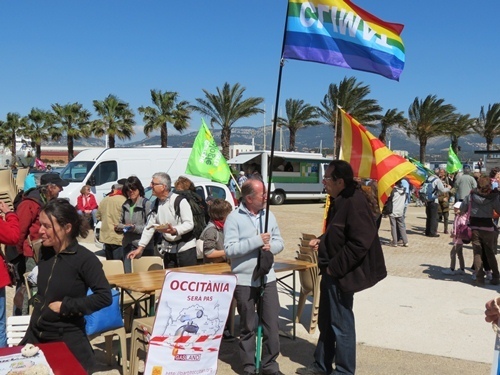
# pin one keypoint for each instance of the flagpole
(260, 328)
(274, 124)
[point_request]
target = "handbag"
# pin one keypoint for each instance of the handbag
(8, 272)
(463, 231)
(36, 246)
(105, 319)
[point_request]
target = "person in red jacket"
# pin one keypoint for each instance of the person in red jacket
(86, 203)
(9, 235)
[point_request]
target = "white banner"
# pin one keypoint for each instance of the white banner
(189, 323)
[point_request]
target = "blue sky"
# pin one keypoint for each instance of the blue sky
(68, 51)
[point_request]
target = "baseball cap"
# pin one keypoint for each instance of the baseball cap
(242, 173)
(121, 181)
(53, 178)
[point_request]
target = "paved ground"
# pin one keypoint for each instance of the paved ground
(417, 321)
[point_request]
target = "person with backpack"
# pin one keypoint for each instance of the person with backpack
(133, 220)
(431, 188)
(178, 246)
(396, 216)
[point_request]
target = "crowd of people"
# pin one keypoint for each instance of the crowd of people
(43, 234)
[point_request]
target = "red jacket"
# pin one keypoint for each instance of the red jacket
(9, 235)
(28, 213)
(91, 203)
(9, 229)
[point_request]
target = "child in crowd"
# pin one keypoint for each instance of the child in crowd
(457, 249)
(213, 241)
(213, 234)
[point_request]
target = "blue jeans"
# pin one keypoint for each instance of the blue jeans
(3, 319)
(337, 338)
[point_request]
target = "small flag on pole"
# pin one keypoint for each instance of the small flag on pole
(206, 160)
(453, 163)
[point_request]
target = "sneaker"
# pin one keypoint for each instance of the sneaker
(448, 271)
(312, 369)
(473, 276)
(489, 275)
(406, 245)
(392, 244)
(459, 272)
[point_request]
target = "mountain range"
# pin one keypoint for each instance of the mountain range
(313, 139)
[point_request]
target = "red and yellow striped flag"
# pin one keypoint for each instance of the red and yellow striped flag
(370, 158)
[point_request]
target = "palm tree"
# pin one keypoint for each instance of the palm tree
(489, 124)
(299, 116)
(351, 96)
(74, 121)
(428, 118)
(392, 117)
(38, 128)
(117, 120)
(463, 126)
(168, 110)
(225, 108)
(13, 127)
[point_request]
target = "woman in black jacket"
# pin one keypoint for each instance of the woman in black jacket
(65, 273)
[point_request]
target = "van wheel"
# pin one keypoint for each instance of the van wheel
(278, 198)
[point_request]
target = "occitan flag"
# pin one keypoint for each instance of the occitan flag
(370, 158)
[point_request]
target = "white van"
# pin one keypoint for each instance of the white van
(296, 175)
(102, 167)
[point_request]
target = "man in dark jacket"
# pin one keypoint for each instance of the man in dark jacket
(350, 259)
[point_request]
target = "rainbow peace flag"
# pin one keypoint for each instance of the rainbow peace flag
(419, 175)
(370, 158)
(338, 32)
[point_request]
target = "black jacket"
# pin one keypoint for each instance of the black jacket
(66, 277)
(350, 247)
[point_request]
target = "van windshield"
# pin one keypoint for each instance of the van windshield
(76, 171)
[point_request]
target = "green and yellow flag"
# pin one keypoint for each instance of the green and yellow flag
(206, 160)
(453, 163)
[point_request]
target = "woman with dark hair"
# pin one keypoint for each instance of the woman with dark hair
(66, 271)
(133, 220)
(483, 201)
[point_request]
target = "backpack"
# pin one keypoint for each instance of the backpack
(199, 213)
(427, 192)
(387, 209)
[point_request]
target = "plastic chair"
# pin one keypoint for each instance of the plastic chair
(141, 329)
(20, 177)
(16, 328)
(114, 267)
(308, 236)
(145, 264)
(309, 285)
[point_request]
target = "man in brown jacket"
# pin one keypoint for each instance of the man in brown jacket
(109, 212)
(350, 259)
